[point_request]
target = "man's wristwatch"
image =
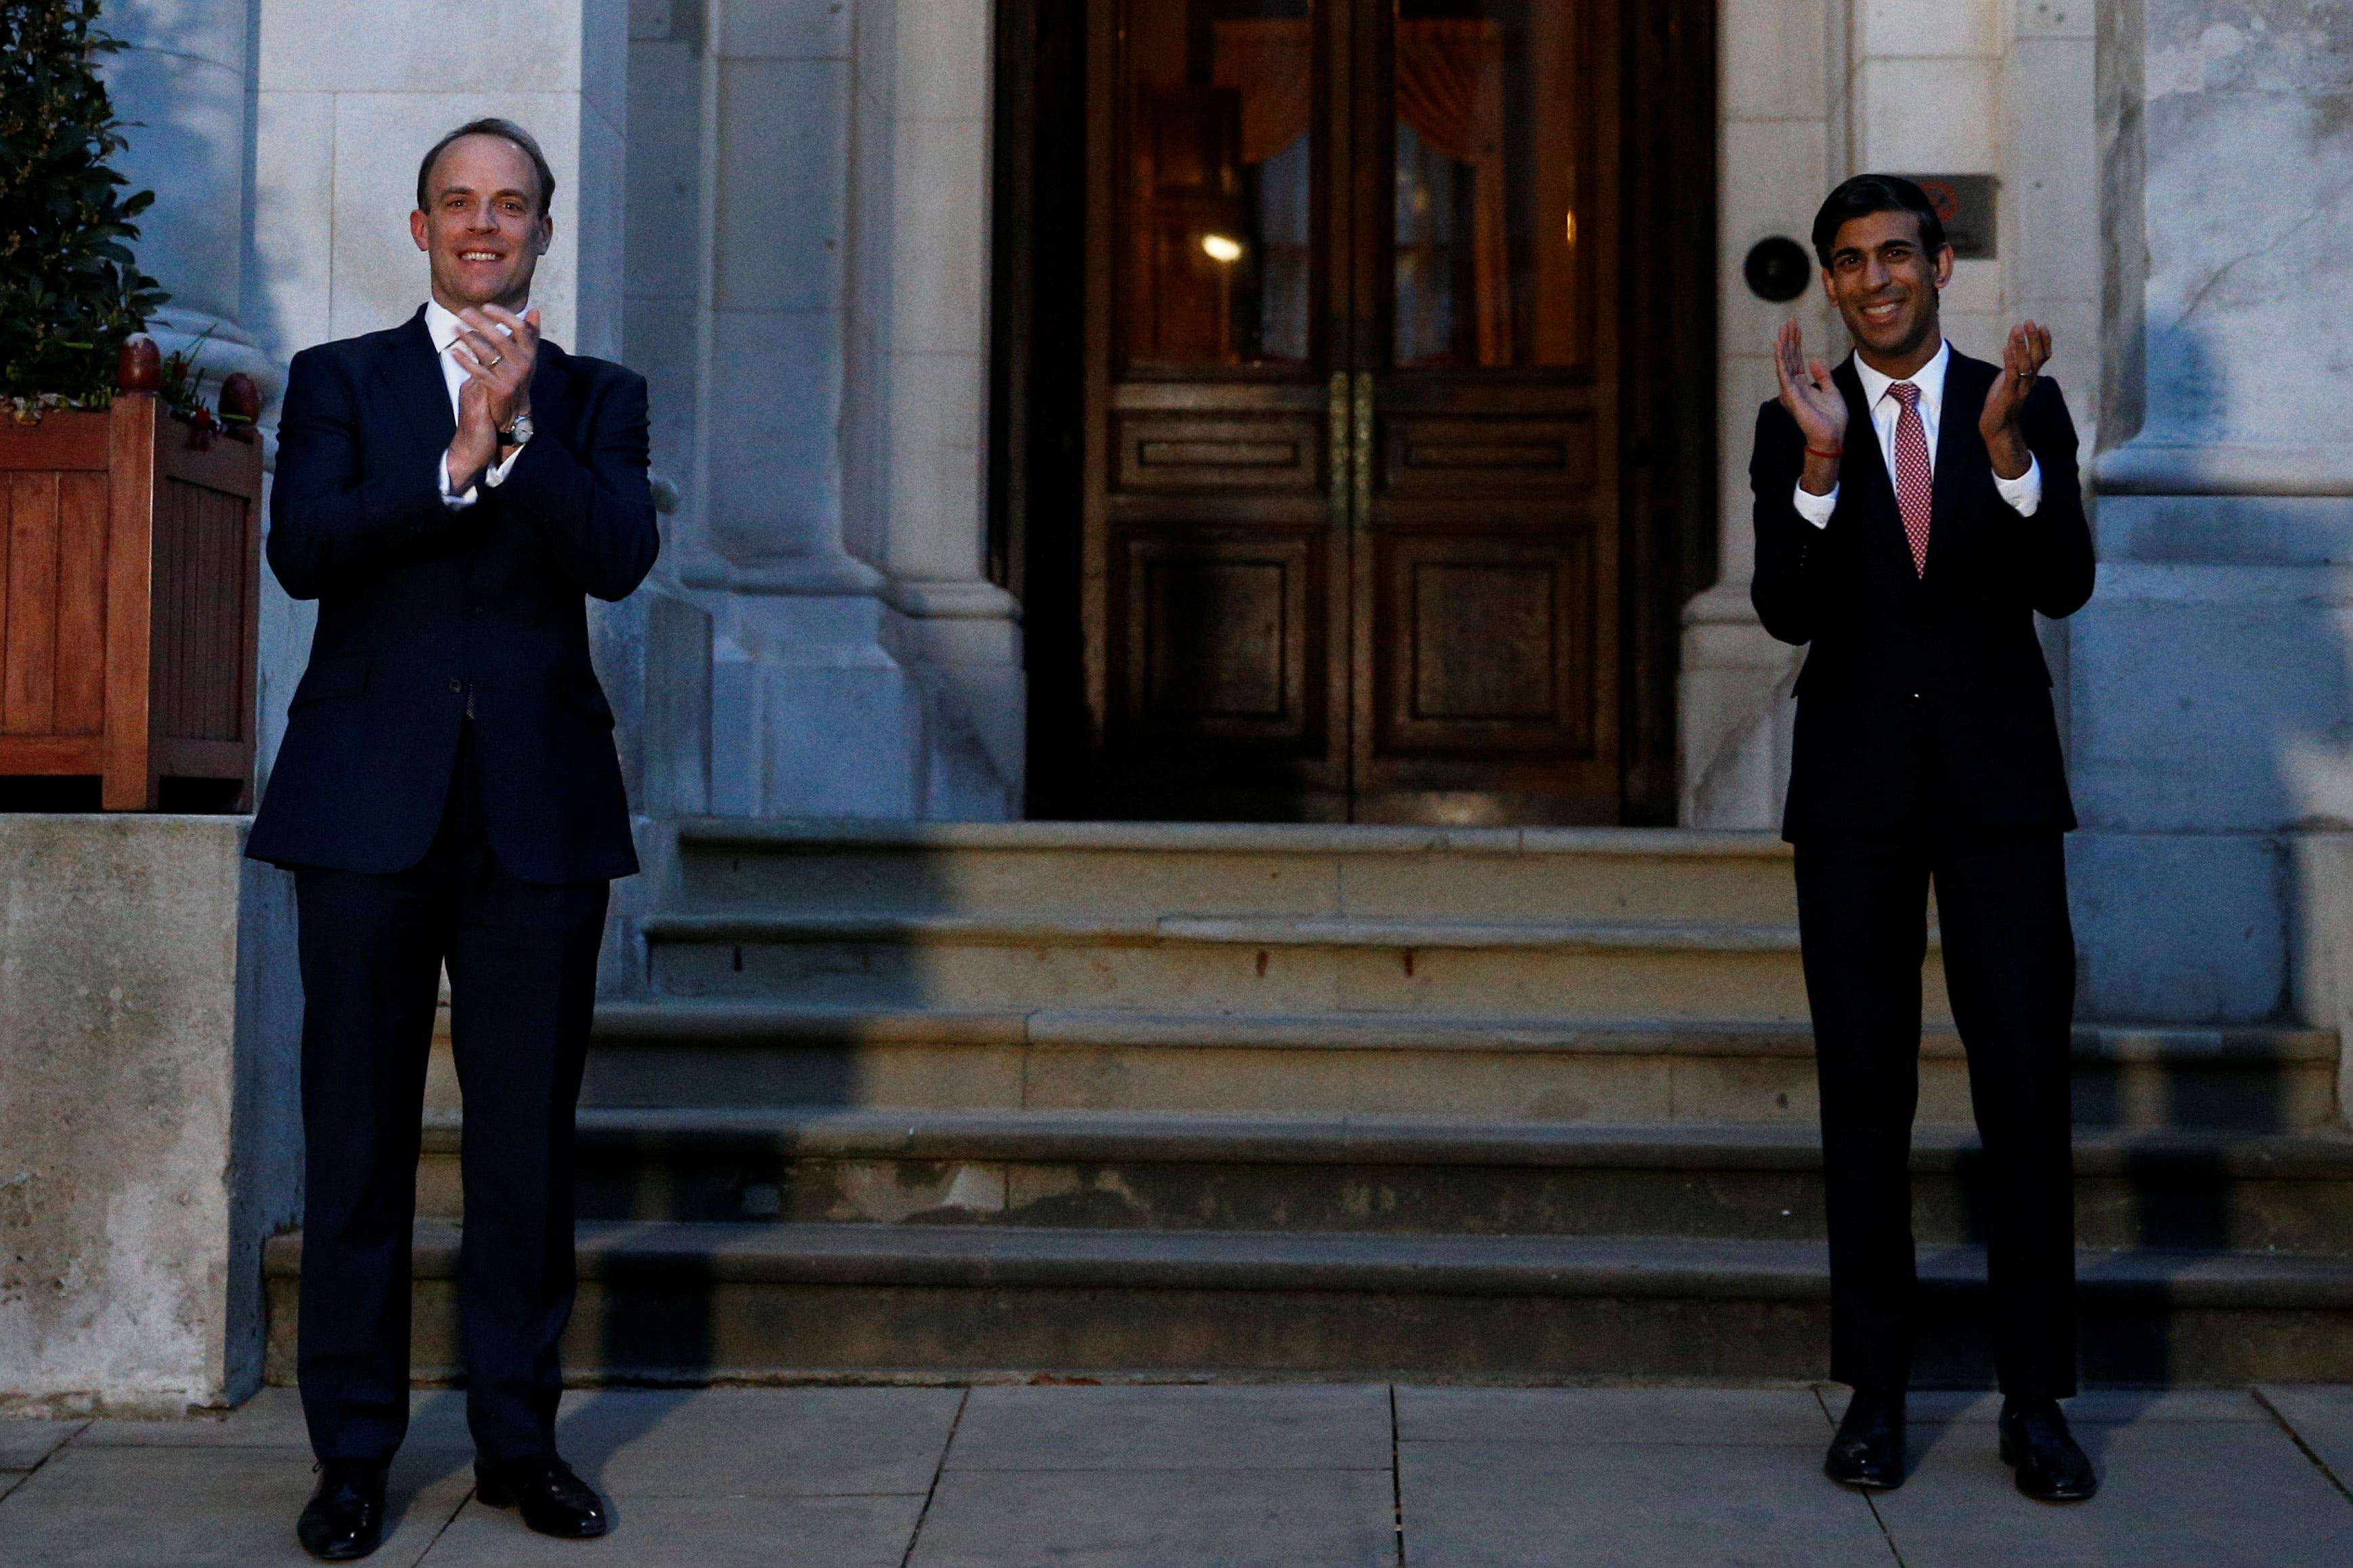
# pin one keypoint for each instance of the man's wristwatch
(517, 433)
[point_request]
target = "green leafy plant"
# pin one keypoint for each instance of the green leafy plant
(70, 289)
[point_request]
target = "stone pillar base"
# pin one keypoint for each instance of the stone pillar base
(1734, 714)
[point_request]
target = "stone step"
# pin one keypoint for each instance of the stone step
(1599, 876)
(696, 1303)
(1254, 964)
(2258, 1191)
(684, 1053)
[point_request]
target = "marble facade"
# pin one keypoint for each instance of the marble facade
(779, 210)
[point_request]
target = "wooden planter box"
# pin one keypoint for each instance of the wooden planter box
(129, 574)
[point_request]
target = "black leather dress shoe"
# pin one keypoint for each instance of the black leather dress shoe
(1869, 1448)
(343, 1520)
(553, 1500)
(2036, 1442)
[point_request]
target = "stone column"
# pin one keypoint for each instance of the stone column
(920, 318)
(2212, 678)
(833, 512)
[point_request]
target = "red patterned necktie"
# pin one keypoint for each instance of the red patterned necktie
(1915, 484)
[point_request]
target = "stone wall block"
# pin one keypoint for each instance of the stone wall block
(775, 455)
(784, 30)
(2052, 184)
(943, 60)
(150, 1130)
(938, 412)
(423, 45)
(1939, 115)
(665, 171)
(2320, 888)
(2057, 18)
(784, 144)
(1930, 28)
(2179, 926)
(289, 288)
(2239, 288)
(940, 258)
(2227, 531)
(2247, 731)
(1772, 56)
(677, 708)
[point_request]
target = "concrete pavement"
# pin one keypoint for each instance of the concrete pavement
(1188, 1475)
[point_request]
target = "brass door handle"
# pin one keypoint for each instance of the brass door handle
(1341, 456)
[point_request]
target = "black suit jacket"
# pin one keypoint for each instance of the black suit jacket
(1925, 699)
(422, 608)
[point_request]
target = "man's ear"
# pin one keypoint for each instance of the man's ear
(1944, 266)
(416, 230)
(546, 234)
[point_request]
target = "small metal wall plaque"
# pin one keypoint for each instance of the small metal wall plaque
(1966, 203)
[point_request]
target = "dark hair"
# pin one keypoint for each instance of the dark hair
(1867, 193)
(505, 130)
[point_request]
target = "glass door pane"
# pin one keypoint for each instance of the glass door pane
(1218, 105)
(1483, 237)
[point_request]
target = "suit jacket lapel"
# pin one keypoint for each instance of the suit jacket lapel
(1865, 467)
(1967, 381)
(551, 379)
(417, 385)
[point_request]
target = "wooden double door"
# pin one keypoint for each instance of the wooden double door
(1351, 425)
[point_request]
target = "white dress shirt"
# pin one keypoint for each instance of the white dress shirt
(2024, 493)
(445, 327)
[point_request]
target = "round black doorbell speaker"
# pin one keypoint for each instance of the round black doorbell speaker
(1778, 269)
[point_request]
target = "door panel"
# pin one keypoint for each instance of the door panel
(1485, 545)
(1350, 527)
(1214, 592)
(1456, 455)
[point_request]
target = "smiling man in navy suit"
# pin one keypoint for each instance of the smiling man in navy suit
(450, 490)
(1914, 508)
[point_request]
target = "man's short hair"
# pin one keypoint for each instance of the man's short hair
(505, 130)
(1867, 193)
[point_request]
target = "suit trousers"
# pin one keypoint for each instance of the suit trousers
(522, 959)
(2009, 967)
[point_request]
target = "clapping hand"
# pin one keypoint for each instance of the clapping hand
(2023, 358)
(497, 350)
(1816, 402)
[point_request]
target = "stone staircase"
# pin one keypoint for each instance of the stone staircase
(931, 1101)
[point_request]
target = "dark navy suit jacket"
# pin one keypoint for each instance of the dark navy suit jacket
(423, 609)
(1925, 699)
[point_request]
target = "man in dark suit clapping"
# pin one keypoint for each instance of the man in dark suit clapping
(1914, 508)
(448, 491)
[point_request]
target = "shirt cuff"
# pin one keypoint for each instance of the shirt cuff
(450, 499)
(2024, 493)
(498, 474)
(1817, 510)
